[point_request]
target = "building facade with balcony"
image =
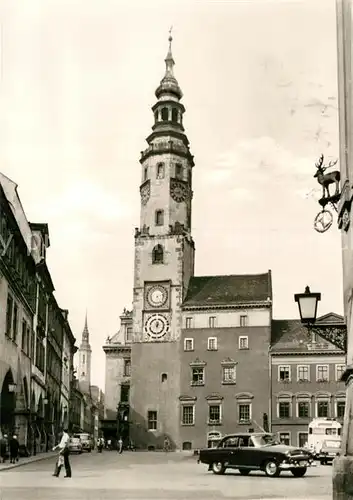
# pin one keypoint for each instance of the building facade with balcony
(306, 372)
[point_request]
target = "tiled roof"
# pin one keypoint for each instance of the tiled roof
(232, 289)
(291, 335)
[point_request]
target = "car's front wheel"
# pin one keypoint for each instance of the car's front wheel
(300, 472)
(218, 468)
(271, 468)
(244, 472)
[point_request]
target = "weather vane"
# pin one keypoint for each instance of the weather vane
(170, 32)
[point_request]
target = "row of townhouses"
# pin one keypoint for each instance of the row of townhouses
(246, 375)
(39, 391)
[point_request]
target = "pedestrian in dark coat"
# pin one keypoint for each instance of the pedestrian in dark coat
(3, 448)
(14, 446)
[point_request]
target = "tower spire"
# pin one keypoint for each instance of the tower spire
(169, 61)
(85, 333)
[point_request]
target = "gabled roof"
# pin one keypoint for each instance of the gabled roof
(289, 335)
(229, 289)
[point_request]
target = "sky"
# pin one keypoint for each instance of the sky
(260, 89)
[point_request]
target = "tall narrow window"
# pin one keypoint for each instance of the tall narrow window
(159, 218)
(156, 116)
(157, 255)
(83, 358)
(212, 321)
(243, 320)
(160, 171)
(15, 323)
(174, 115)
(145, 174)
(152, 420)
(178, 170)
(165, 114)
(128, 334)
(9, 315)
(127, 368)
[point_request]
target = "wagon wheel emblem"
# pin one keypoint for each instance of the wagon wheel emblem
(323, 221)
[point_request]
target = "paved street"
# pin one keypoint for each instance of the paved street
(146, 476)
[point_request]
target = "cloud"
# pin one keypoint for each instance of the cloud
(84, 198)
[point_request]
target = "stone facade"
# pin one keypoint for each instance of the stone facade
(34, 327)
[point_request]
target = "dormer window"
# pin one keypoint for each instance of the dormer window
(160, 171)
(165, 114)
(178, 170)
(174, 115)
(157, 255)
(159, 218)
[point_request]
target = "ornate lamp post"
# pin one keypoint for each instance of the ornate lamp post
(307, 303)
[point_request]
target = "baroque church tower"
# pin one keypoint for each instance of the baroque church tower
(164, 263)
(85, 354)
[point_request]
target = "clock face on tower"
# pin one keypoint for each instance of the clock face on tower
(145, 192)
(178, 191)
(157, 296)
(157, 326)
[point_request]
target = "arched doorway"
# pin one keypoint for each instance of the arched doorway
(213, 438)
(7, 404)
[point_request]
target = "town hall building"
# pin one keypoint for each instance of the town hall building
(191, 338)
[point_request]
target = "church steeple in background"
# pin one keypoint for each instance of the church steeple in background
(85, 354)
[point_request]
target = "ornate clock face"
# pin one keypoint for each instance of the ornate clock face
(145, 193)
(178, 191)
(157, 326)
(157, 296)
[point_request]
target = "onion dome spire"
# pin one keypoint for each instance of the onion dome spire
(169, 84)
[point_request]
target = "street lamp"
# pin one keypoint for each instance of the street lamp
(307, 303)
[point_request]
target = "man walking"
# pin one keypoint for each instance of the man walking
(120, 446)
(64, 453)
(14, 447)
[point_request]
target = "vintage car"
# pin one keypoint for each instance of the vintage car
(329, 450)
(86, 441)
(256, 451)
(75, 445)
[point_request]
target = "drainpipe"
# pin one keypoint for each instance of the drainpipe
(270, 390)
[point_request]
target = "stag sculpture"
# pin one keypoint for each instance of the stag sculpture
(326, 179)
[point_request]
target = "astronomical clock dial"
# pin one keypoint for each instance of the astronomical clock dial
(145, 192)
(157, 296)
(178, 191)
(157, 326)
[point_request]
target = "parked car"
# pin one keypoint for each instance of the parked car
(75, 445)
(329, 450)
(256, 451)
(86, 441)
